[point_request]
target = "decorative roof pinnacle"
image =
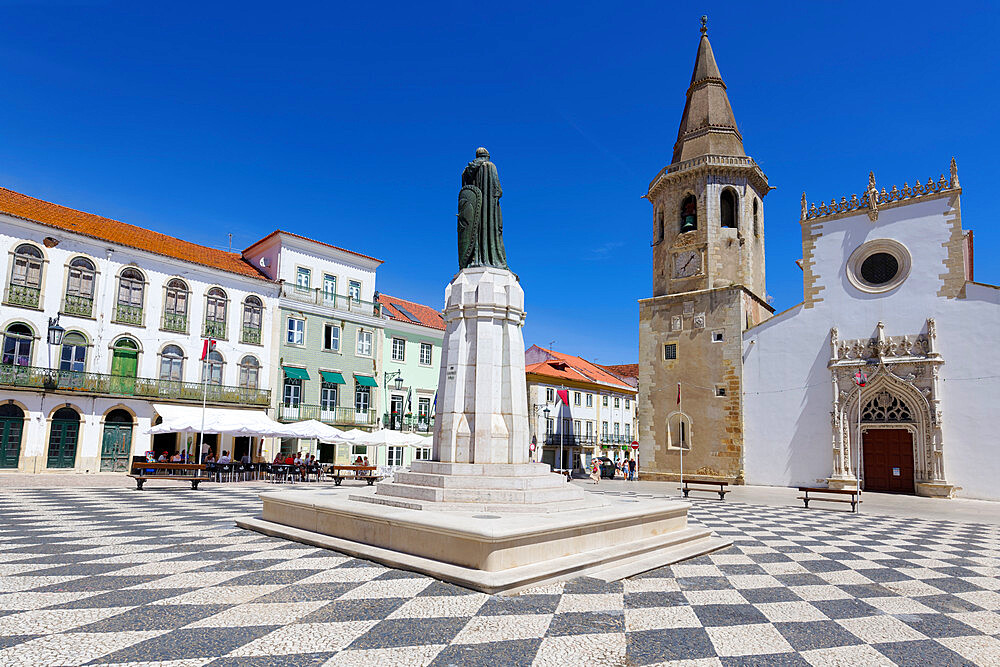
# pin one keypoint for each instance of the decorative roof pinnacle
(704, 23)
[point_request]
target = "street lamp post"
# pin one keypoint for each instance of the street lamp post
(55, 339)
(546, 412)
(398, 383)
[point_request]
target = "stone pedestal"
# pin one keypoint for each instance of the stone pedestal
(480, 514)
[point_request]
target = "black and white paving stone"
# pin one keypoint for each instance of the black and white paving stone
(162, 576)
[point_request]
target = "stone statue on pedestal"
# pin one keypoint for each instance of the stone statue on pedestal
(480, 223)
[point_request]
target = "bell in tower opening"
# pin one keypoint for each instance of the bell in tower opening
(689, 214)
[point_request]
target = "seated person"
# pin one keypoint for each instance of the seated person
(163, 457)
(176, 458)
(225, 458)
(277, 458)
(245, 459)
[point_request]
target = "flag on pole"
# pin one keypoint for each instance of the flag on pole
(207, 346)
(435, 408)
(409, 400)
(563, 395)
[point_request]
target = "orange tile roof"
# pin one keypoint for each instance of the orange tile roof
(625, 370)
(121, 233)
(306, 238)
(568, 367)
(428, 316)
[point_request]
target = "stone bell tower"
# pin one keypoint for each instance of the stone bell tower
(708, 287)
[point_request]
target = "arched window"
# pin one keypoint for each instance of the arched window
(73, 356)
(756, 217)
(80, 288)
(212, 368)
(689, 214)
(727, 208)
(131, 288)
(679, 426)
(253, 312)
(249, 372)
(17, 345)
(175, 306)
(25, 277)
(172, 363)
(659, 225)
(215, 313)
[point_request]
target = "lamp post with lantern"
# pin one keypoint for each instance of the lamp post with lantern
(398, 384)
(55, 340)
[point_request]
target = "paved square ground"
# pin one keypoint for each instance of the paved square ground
(118, 576)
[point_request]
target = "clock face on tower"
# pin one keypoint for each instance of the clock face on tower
(687, 263)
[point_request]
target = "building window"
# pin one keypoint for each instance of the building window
(618, 402)
(728, 208)
(354, 290)
(131, 286)
(175, 306)
(80, 288)
(689, 214)
(577, 398)
(669, 351)
(362, 398)
(296, 331)
(73, 356)
(395, 457)
(423, 413)
(329, 287)
(292, 394)
(604, 401)
(359, 450)
(604, 431)
(659, 225)
(590, 400)
(628, 432)
(576, 427)
(331, 337)
(426, 354)
(717, 336)
(328, 397)
(617, 431)
(720, 390)
(627, 403)
(249, 372)
(215, 313)
(253, 312)
(364, 348)
(590, 430)
(399, 349)
(26, 277)
(422, 453)
(756, 224)
(679, 426)
(550, 395)
(550, 425)
(303, 279)
(212, 368)
(17, 345)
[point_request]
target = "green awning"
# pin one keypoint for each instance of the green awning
(365, 380)
(332, 378)
(293, 373)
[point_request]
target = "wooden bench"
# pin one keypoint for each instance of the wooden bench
(178, 472)
(853, 493)
(699, 484)
(366, 473)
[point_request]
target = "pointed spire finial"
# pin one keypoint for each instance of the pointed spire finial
(954, 173)
(704, 23)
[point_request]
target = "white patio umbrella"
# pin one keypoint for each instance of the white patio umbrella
(388, 436)
(313, 430)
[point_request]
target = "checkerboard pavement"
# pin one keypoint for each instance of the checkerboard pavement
(115, 576)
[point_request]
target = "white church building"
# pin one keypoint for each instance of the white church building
(888, 293)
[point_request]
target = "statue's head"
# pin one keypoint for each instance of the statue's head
(483, 153)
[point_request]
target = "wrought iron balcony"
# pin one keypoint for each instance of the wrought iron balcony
(414, 423)
(74, 304)
(328, 415)
(23, 295)
(126, 314)
(570, 440)
(250, 335)
(616, 439)
(215, 329)
(75, 382)
(318, 297)
(176, 322)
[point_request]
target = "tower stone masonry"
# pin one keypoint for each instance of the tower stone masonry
(708, 287)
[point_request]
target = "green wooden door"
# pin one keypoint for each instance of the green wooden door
(11, 427)
(124, 366)
(63, 438)
(116, 446)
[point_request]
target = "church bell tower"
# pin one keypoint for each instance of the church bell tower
(708, 287)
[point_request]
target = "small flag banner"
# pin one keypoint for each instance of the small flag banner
(563, 396)
(207, 347)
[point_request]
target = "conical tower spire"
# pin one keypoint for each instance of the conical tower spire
(708, 126)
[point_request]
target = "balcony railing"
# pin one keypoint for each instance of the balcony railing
(23, 295)
(176, 322)
(78, 305)
(250, 335)
(570, 440)
(126, 314)
(414, 423)
(31, 377)
(215, 329)
(616, 440)
(318, 297)
(338, 415)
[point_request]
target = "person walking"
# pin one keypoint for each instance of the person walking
(595, 470)
(631, 470)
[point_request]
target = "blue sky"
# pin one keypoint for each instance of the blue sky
(351, 123)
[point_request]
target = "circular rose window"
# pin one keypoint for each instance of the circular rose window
(878, 266)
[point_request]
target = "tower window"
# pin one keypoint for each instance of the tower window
(689, 214)
(659, 225)
(727, 206)
(756, 225)
(720, 390)
(670, 351)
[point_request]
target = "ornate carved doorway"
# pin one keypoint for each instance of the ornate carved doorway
(888, 460)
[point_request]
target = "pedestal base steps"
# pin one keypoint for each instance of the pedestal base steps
(491, 552)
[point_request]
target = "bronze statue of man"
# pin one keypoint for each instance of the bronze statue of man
(480, 223)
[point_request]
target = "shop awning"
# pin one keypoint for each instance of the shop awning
(365, 380)
(293, 373)
(332, 377)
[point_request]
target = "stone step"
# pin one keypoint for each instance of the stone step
(482, 469)
(564, 492)
(548, 481)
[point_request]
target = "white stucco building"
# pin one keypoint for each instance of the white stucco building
(889, 292)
